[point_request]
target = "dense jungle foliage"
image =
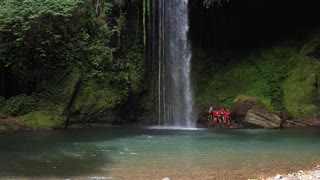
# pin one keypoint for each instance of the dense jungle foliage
(265, 49)
(283, 77)
(66, 60)
(59, 57)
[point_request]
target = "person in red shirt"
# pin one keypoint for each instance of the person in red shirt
(215, 115)
(223, 118)
(227, 116)
(219, 115)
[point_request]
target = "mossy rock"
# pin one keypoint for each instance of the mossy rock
(243, 103)
(95, 97)
(10, 127)
(251, 112)
(105, 117)
(8, 124)
(43, 120)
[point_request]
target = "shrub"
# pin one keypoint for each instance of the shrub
(20, 105)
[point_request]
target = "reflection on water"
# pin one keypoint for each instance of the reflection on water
(157, 153)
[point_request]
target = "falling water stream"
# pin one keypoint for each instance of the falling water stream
(174, 56)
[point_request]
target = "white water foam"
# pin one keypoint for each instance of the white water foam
(175, 128)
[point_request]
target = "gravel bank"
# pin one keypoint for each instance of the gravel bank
(300, 175)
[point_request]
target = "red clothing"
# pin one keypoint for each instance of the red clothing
(215, 113)
(218, 112)
(227, 114)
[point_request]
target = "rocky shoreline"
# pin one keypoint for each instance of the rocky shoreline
(300, 175)
(8, 124)
(245, 114)
(248, 112)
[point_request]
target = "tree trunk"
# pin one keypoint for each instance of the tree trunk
(66, 111)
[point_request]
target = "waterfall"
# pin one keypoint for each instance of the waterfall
(173, 53)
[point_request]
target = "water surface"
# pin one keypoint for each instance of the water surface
(157, 153)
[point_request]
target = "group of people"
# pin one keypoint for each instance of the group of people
(219, 115)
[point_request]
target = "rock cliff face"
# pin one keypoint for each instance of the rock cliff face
(262, 118)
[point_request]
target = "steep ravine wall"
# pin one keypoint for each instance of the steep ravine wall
(283, 75)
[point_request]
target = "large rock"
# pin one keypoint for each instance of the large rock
(312, 122)
(147, 118)
(242, 104)
(261, 118)
(9, 124)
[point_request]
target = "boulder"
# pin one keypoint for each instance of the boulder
(259, 117)
(242, 104)
(301, 123)
(9, 124)
(147, 118)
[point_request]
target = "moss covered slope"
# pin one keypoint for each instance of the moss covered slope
(284, 77)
